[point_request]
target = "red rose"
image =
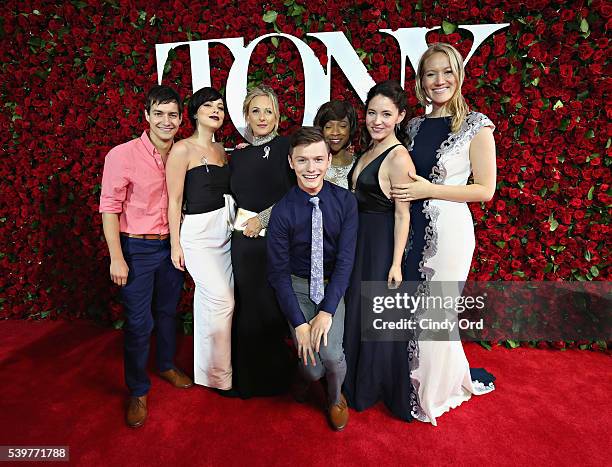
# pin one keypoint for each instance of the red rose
(526, 40)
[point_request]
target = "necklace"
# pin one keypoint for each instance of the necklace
(204, 161)
(338, 174)
(261, 140)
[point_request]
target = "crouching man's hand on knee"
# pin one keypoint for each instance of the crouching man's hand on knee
(319, 327)
(304, 345)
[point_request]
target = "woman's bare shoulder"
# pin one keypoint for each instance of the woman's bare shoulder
(181, 148)
(219, 147)
(399, 156)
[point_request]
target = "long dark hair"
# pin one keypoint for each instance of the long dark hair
(396, 93)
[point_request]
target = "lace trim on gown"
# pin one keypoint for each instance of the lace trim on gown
(451, 146)
(472, 124)
(413, 345)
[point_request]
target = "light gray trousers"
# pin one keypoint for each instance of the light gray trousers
(330, 358)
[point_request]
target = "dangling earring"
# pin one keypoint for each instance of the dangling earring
(397, 127)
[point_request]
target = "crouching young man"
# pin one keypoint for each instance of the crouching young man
(311, 247)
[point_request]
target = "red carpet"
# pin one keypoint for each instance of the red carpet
(62, 384)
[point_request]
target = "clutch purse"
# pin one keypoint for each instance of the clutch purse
(244, 215)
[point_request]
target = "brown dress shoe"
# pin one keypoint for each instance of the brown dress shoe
(177, 378)
(339, 414)
(136, 413)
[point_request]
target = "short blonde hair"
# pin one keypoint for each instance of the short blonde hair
(456, 106)
(262, 90)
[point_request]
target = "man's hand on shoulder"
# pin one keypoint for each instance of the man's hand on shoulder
(319, 327)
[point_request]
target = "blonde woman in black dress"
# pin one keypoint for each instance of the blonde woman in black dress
(260, 176)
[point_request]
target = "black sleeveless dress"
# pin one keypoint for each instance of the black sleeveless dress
(375, 370)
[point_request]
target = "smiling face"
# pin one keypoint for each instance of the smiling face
(164, 121)
(261, 116)
(337, 133)
(211, 114)
(381, 117)
(438, 81)
(310, 163)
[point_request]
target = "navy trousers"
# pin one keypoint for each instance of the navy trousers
(151, 296)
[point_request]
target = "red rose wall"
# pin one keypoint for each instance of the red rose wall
(74, 76)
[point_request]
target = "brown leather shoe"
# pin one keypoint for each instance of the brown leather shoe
(136, 413)
(339, 414)
(177, 378)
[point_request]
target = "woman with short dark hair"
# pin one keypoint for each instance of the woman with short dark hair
(197, 176)
(338, 121)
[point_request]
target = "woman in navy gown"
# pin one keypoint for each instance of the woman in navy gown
(379, 370)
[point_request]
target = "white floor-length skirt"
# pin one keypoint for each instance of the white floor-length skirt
(205, 239)
(442, 376)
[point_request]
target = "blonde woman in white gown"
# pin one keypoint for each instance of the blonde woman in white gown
(448, 144)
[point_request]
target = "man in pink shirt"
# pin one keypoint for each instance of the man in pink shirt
(134, 207)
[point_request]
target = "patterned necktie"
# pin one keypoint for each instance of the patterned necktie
(316, 253)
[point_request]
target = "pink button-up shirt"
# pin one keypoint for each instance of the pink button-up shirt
(134, 185)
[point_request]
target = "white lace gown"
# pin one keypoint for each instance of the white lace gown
(442, 249)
